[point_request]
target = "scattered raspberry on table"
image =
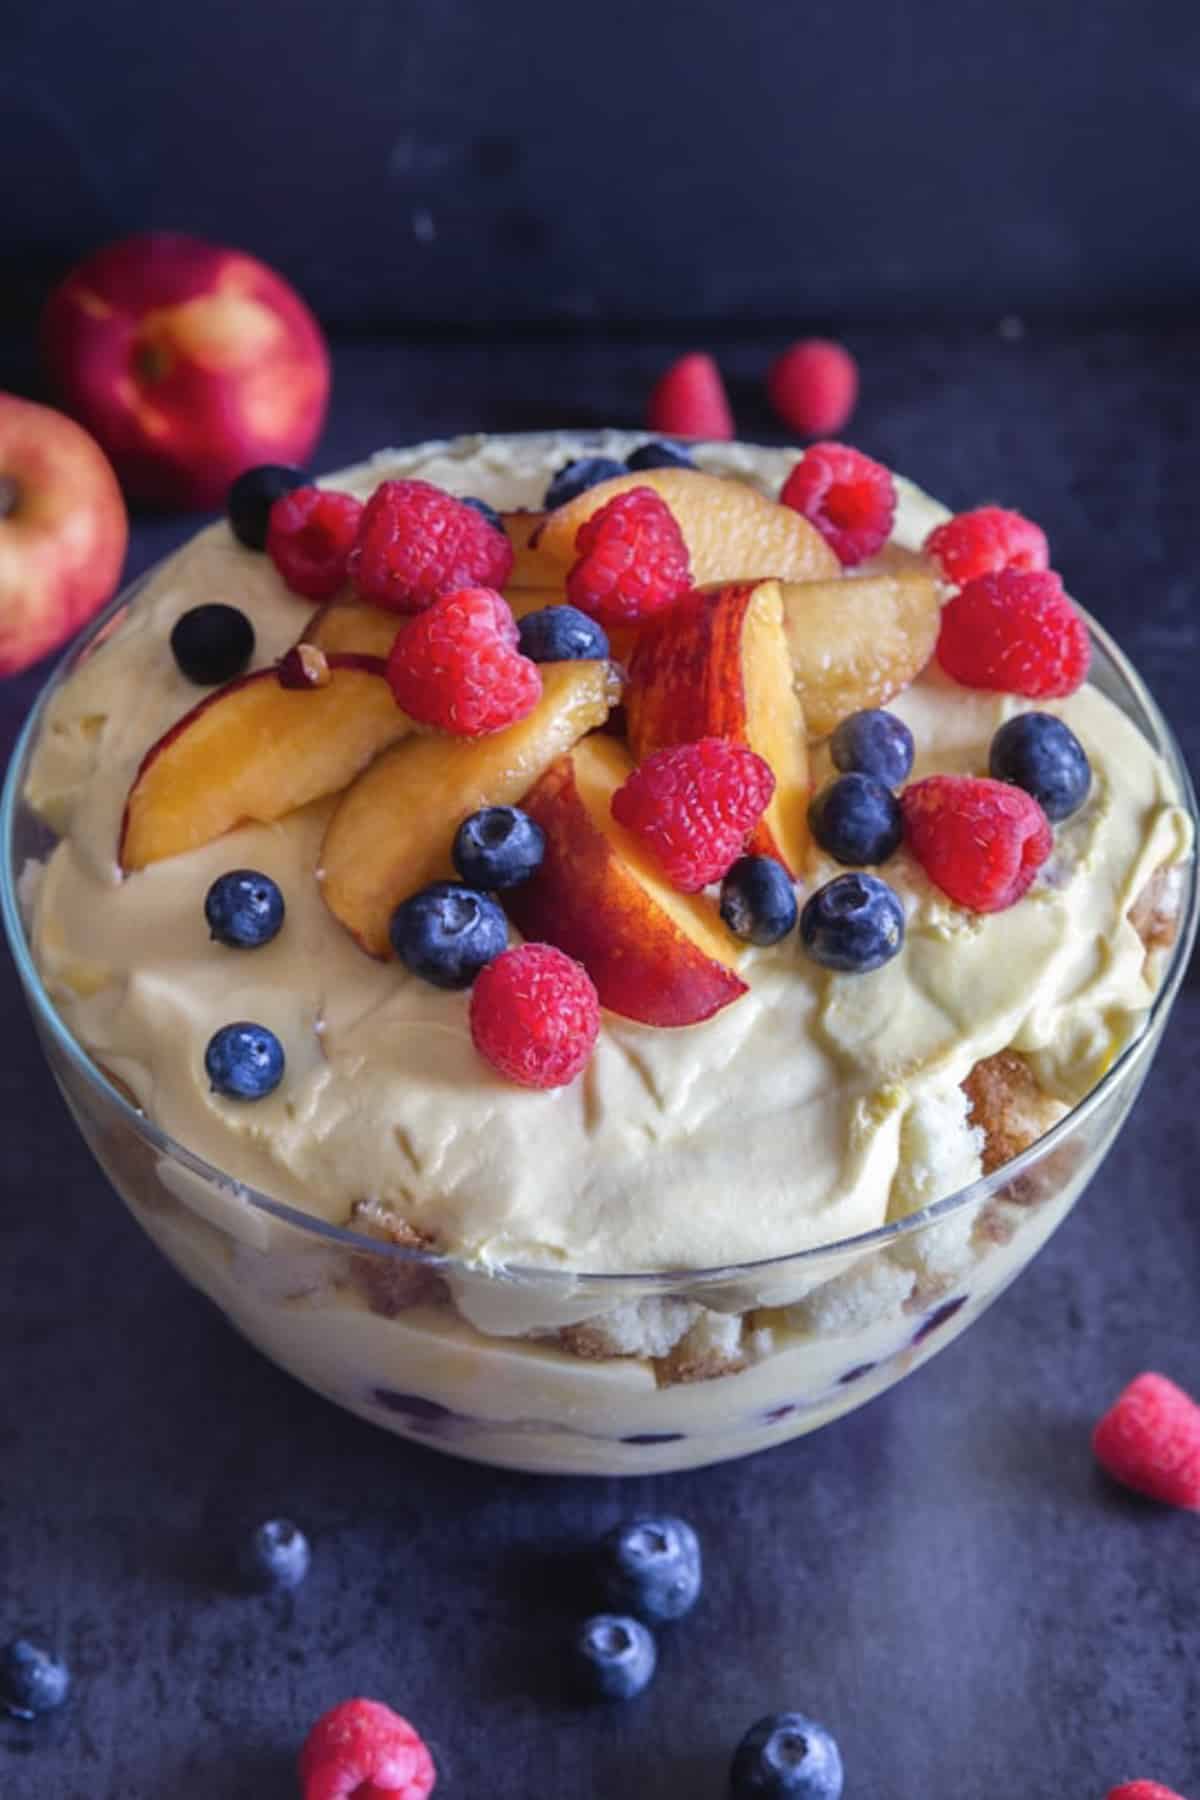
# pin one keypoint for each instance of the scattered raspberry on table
(689, 400)
(362, 1750)
(1143, 1790)
(813, 387)
(1149, 1440)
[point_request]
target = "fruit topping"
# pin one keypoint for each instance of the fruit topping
(855, 923)
(498, 847)
(415, 542)
(392, 831)
(1149, 1440)
(856, 820)
(244, 1061)
(530, 568)
(486, 510)
(631, 559)
(614, 1657)
(694, 806)
(980, 841)
(577, 476)
(212, 643)
(252, 496)
(1015, 634)
(716, 665)
(351, 627)
(447, 932)
(758, 901)
(456, 665)
(689, 400)
(985, 541)
(655, 955)
(560, 634)
(303, 666)
(244, 909)
(660, 453)
(813, 387)
(362, 1750)
(1143, 1790)
(254, 751)
(535, 1016)
(848, 497)
(277, 1556)
(874, 742)
(1037, 752)
(31, 1680)
(652, 1567)
(854, 643)
(786, 1756)
(309, 536)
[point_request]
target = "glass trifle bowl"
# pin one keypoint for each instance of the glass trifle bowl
(550, 1367)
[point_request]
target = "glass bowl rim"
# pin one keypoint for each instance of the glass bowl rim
(48, 1018)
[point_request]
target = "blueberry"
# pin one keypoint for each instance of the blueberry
(875, 743)
(277, 1555)
(660, 454)
(212, 643)
(244, 909)
(786, 1757)
(854, 923)
(560, 634)
(857, 820)
(31, 1680)
(1037, 752)
(652, 1567)
(253, 495)
(577, 476)
(758, 901)
(498, 847)
(447, 932)
(244, 1061)
(486, 508)
(614, 1657)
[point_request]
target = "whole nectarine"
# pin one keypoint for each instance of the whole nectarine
(63, 530)
(189, 362)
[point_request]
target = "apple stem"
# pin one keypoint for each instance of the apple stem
(10, 493)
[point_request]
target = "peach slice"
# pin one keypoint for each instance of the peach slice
(392, 832)
(858, 641)
(255, 750)
(655, 955)
(733, 533)
(716, 665)
(349, 627)
(530, 568)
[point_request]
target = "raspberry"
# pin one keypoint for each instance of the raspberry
(535, 1016)
(362, 1750)
(981, 841)
(309, 535)
(456, 666)
(416, 542)
(849, 498)
(813, 386)
(689, 400)
(985, 541)
(1149, 1440)
(1143, 1790)
(1016, 634)
(631, 559)
(694, 805)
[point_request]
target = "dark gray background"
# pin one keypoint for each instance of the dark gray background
(943, 1577)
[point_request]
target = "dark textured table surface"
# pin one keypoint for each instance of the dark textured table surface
(942, 1577)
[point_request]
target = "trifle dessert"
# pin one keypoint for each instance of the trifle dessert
(598, 930)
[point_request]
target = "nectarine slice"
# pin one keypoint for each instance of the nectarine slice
(858, 641)
(345, 627)
(391, 833)
(656, 955)
(253, 751)
(733, 533)
(717, 665)
(530, 568)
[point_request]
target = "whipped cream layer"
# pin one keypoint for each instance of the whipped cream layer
(793, 1118)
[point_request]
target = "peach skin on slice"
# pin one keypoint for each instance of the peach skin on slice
(733, 533)
(253, 751)
(655, 955)
(858, 641)
(349, 627)
(717, 665)
(391, 833)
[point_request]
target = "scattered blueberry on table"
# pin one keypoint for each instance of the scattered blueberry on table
(244, 909)
(652, 1567)
(32, 1681)
(615, 1657)
(277, 1555)
(447, 932)
(786, 1756)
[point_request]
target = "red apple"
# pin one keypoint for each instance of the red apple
(63, 530)
(189, 363)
